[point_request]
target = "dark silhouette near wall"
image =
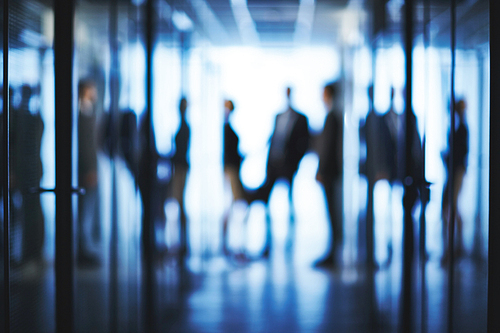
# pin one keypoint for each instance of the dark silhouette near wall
(330, 171)
(459, 165)
(88, 203)
(181, 168)
(289, 142)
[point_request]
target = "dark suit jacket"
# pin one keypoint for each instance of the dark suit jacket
(182, 145)
(370, 130)
(460, 146)
(331, 150)
(392, 146)
(295, 147)
(232, 157)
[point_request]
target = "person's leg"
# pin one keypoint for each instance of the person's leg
(459, 177)
(265, 192)
(370, 258)
(230, 174)
(178, 184)
(182, 210)
(330, 205)
(329, 260)
(445, 219)
(337, 222)
(86, 215)
(291, 226)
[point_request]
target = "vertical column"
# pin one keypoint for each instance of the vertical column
(147, 225)
(424, 192)
(494, 186)
(63, 64)
(113, 135)
(408, 182)
(451, 176)
(6, 173)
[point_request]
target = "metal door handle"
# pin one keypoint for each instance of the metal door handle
(75, 190)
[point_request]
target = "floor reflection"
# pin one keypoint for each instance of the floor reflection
(212, 293)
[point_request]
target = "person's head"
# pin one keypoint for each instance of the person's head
(183, 106)
(460, 107)
(87, 91)
(228, 107)
(26, 92)
(330, 93)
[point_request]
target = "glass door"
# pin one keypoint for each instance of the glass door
(32, 166)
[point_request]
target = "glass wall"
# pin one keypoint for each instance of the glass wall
(110, 83)
(31, 142)
(449, 50)
(163, 239)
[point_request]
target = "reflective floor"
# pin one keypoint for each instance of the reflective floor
(285, 293)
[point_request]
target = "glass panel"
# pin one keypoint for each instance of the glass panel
(31, 85)
(129, 100)
(471, 140)
(94, 168)
(109, 69)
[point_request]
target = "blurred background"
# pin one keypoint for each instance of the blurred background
(158, 239)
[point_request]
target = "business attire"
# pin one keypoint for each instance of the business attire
(289, 143)
(330, 171)
(371, 130)
(27, 170)
(88, 203)
(459, 165)
(232, 161)
(181, 167)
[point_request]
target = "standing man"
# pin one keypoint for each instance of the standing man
(181, 167)
(232, 163)
(372, 167)
(459, 165)
(88, 204)
(289, 143)
(330, 170)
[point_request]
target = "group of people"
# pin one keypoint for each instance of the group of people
(384, 139)
(382, 136)
(289, 142)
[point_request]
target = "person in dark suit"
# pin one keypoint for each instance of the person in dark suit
(392, 138)
(459, 165)
(392, 167)
(370, 131)
(289, 142)
(27, 171)
(88, 204)
(181, 167)
(232, 163)
(330, 170)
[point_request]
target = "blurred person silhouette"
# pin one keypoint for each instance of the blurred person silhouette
(289, 143)
(26, 172)
(232, 163)
(180, 170)
(88, 203)
(330, 171)
(459, 165)
(392, 162)
(392, 135)
(370, 131)
(414, 183)
(135, 151)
